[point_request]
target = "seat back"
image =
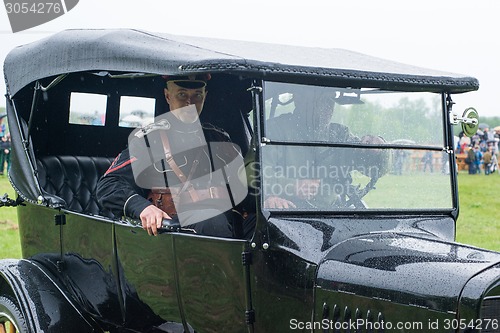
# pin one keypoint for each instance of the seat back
(74, 180)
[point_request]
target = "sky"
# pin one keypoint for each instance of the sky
(458, 36)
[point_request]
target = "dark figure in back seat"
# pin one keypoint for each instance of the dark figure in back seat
(189, 171)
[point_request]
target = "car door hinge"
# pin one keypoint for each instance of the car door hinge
(60, 219)
(246, 258)
(250, 317)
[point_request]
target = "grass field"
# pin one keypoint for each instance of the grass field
(9, 235)
(479, 220)
(478, 224)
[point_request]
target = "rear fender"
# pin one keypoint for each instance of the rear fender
(43, 304)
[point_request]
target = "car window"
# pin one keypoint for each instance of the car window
(328, 148)
(136, 111)
(295, 112)
(87, 109)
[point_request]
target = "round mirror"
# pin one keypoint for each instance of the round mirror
(471, 122)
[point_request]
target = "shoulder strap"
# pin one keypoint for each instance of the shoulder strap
(175, 168)
(170, 159)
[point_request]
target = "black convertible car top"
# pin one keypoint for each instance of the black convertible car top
(145, 52)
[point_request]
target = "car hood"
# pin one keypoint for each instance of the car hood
(404, 269)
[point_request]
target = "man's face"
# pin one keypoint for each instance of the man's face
(179, 98)
(324, 104)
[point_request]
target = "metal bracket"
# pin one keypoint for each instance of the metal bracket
(246, 258)
(250, 317)
(60, 219)
(5, 201)
(255, 88)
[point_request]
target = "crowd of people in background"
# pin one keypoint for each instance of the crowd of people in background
(481, 151)
(5, 148)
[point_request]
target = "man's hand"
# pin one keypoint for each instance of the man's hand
(277, 202)
(307, 188)
(151, 218)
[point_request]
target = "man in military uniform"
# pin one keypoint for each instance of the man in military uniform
(193, 166)
(315, 177)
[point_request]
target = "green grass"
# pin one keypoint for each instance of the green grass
(478, 224)
(412, 191)
(10, 246)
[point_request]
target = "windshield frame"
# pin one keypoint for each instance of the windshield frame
(446, 148)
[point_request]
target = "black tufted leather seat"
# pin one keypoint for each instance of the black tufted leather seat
(74, 179)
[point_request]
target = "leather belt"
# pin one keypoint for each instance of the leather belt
(214, 192)
(205, 194)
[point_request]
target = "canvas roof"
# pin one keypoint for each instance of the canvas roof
(124, 50)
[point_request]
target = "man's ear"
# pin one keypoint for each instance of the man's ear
(167, 95)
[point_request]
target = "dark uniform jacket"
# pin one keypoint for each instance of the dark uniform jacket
(124, 187)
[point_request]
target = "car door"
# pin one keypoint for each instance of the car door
(185, 278)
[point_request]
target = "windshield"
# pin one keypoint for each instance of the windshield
(331, 148)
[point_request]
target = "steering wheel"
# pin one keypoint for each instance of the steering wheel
(352, 195)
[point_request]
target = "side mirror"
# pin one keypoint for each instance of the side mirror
(469, 121)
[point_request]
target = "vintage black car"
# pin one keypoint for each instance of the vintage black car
(367, 245)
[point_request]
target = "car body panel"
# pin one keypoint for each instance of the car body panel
(45, 306)
(403, 269)
(180, 276)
